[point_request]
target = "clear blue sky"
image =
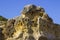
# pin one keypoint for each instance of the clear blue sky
(12, 8)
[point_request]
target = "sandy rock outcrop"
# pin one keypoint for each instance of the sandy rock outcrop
(33, 24)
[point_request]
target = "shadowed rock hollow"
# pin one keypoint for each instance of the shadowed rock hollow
(33, 24)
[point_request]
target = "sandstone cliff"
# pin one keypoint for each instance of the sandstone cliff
(33, 24)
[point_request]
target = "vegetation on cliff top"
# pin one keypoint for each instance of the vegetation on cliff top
(3, 18)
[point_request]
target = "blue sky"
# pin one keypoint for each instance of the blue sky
(12, 8)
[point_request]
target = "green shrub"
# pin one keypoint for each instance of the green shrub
(3, 18)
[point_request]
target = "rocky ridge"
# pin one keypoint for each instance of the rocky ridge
(33, 24)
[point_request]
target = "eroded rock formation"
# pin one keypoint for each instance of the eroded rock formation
(33, 24)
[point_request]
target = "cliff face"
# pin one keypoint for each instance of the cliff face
(2, 25)
(33, 24)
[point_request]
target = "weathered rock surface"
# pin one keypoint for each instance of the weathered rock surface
(33, 24)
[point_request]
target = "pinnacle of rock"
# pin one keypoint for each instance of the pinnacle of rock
(33, 24)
